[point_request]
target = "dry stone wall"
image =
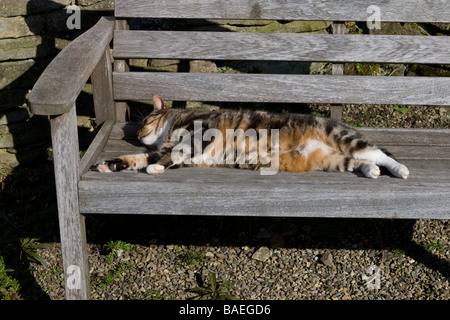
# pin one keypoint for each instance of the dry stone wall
(32, 32)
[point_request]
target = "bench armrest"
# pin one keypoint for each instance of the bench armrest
(61, 82)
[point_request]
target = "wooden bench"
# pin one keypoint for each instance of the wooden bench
(228, 192)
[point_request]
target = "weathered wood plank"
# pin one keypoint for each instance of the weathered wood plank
(116, 148)
(336, 110)
(60, 84)
(71, 222)
(282, 88)
(391, 11)
(96, 146)
(408, 136)
(121, 65)
(382, 136)
(101, 80)
(431, 172)
(220, 191)
(232, 192)
(402, 143)
(338, 48)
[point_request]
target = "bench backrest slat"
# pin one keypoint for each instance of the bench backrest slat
(331, 10)
(302, 47)
(281, 47)
(282, 88)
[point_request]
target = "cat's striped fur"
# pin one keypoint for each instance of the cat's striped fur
(306, 142)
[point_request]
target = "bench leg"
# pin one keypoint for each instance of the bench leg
(71, 222)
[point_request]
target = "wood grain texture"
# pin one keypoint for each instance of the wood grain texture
(101, 80)
(232, 192)
(60, 84)
(71, 222)
(381, 136)
(337, 69)
(218, 191)
(121, 65)
(337, 48)
(411, 144)
(115, 148)
(391, 11)
(96, 146)
(282, 88)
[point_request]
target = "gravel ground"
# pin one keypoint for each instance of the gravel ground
(267, 258)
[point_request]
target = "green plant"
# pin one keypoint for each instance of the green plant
(156, 295)
(399, 251)
(215, 291)
(115, 274)
(9, 287)
(30, 250)
(368, 69)
(403, 110)
(437, 245)
(356, 123)
(191, 257)
(117, 247)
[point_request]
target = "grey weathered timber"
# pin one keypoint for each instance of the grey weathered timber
(121, 65)
(232, 192)
(60, 84)
(283, 88)
(219, 191)
(425, 144)
(101, 80)
(127, 131)
(71, 223)
(337, 48)
(331, 10)
(339, 28)
(96, 146)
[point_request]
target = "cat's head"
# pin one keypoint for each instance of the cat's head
(156, 125)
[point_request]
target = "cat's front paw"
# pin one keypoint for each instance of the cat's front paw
(112, 165)
(155, 169)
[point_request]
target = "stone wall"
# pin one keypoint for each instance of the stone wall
(32, 32)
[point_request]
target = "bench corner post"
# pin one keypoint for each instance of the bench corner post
(71, 222)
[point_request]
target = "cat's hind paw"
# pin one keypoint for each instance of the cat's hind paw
(371, 170)
(155, 169)
(400, 171)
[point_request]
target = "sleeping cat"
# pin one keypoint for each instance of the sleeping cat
(303, 143)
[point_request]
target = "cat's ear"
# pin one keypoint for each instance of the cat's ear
(158, 103)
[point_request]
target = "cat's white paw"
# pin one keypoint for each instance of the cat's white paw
(155, 169)
(103, 168)
(400, 171)
(371, 170)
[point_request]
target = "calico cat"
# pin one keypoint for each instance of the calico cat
(304, 143)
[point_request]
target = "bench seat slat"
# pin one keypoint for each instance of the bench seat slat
(403, 136)
(282, 88)
(331, 10)
(117, 148)
(411, 144)
(233, 192)
(281, 47)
